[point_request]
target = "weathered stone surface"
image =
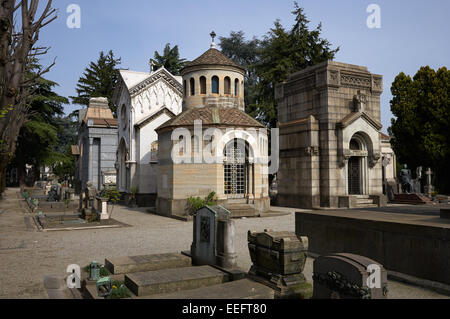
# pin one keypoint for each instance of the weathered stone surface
(414, 244)
(204, 243)
(321, 109)
(130, 264)
(239, 289)
(278, 261)
(277, 252)
(172, 280)
(345, 276)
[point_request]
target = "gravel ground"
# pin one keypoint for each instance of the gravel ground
(27, 255)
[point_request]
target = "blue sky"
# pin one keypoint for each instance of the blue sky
(413, 33)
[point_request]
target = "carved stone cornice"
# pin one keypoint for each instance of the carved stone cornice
(343, 158)
(357, 81)
(161, 75)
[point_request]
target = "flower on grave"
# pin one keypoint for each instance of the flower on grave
(114, 287)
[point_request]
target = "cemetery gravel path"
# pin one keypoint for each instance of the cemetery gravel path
(27, 255)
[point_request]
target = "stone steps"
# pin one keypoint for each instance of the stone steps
(131, 264)
(172, 280)
(239, 289)
(241, 210)
(364, 201)
(367, 206)
(413, 199)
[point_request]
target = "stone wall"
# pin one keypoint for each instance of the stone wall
(318, 115)
(179, 181)
(420, 250)
(221, 99)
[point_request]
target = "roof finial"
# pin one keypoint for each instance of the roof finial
(213, 35)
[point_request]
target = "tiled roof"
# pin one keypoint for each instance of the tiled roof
(214, 57)
(213, 115)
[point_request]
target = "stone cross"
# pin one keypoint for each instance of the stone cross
(429, 173)
(213, 35)
(429, 188)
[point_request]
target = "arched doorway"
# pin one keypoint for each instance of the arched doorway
(357, 170)
(236, 168)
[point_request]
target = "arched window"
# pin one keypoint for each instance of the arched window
(192, 86)
(215, 85)
(185, 88)
(236, 87)
(202, 85)
(227, 85)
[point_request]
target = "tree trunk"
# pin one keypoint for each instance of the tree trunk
(3, 165)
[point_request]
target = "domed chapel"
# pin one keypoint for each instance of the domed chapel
(213, 145)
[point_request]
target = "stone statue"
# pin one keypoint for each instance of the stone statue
(359, 102)
(90, 192)
(405, 179)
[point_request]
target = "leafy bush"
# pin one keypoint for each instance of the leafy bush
(195, 203)
(119, 291)
(91, 217)
(112, 194)
(134, 190)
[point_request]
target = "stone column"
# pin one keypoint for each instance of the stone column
(226, 252)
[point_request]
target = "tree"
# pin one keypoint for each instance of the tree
(170, 60)
(63, 164)
(41, 133)
(421, 130)
(285, 52)
(270, 61)
(98, 80)
(17, 48)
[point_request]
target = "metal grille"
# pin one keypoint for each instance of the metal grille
(235, 169)
(354, 176)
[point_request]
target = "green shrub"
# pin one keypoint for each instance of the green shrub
(195, 203)
(119, 291)
(112, 194)
(91, 217)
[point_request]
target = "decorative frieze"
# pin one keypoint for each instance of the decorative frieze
(377, 84)
(357, 81)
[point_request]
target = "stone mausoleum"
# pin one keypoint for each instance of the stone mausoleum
(330, 137)
(213, 145)
(145, 100)
(97, 144)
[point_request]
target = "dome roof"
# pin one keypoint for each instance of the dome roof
(213, 57)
